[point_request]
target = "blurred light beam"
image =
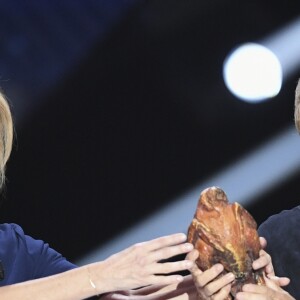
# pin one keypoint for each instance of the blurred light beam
(285, 44)
(250, 177)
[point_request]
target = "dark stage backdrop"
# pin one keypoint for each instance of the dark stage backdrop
(139, 117)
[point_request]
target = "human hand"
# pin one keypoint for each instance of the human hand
(265, 261)
(139, 265)
(271, 291)
(208, 284)
(184, 290)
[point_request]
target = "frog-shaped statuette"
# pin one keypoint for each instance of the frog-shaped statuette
(225, 233)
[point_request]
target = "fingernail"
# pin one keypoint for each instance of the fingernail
(182, 236)
(230, 276)
(219, 267)
(189, 246)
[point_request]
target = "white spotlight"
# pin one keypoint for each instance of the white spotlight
(253, 73)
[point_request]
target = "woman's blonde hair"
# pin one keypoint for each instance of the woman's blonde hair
(297, 107)
(6, 135)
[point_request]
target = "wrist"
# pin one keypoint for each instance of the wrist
(92, 282)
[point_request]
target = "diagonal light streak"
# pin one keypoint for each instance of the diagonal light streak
(243, 181)
(285, 44)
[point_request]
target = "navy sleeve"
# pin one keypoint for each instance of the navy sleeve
(46, 261)
(24, 258)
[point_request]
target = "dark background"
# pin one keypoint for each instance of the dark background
(120, 106)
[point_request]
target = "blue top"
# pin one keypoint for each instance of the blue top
(283, 244)
(24, 258)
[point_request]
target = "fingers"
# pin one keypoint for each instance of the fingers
(141, 264)
(264, 261)
(276, 283)
(168, 252)
(280, 281)
(150, 253)
(260, 292)
(254, 291)
(147, 290)
(166, 280)
(165, 247)
(115, 296)
(223, 293)
(187, 282)
(263, 242)
(207, 283)
(193, 255)
(217, 285)
(165, 241)
(248, 296)
(202, 278)
(164, 292)
(170, 267)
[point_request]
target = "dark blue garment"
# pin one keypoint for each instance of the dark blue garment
(24, 258)
(282, 232)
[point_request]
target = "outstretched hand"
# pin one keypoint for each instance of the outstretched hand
(140, 265)
(209, 285)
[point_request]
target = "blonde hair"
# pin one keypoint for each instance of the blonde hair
(297, 107)
(6, 135)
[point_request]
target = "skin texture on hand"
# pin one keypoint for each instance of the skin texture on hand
(272, 290)
(139, 265)
(184, 290)
(269, 292)
(206, 285)
(209, 286)
(265, 261)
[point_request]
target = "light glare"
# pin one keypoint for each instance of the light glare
(253, 73)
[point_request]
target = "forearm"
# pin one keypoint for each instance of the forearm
(134, 267)
(70, 285)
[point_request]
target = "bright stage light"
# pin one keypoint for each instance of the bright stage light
(253, 73)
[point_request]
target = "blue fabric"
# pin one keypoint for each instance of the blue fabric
(24, 258)
(282, 232)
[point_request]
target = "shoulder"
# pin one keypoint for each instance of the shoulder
(25, 258)
(281, 226)
(10, 233)
(286, 217)
(12, 236)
